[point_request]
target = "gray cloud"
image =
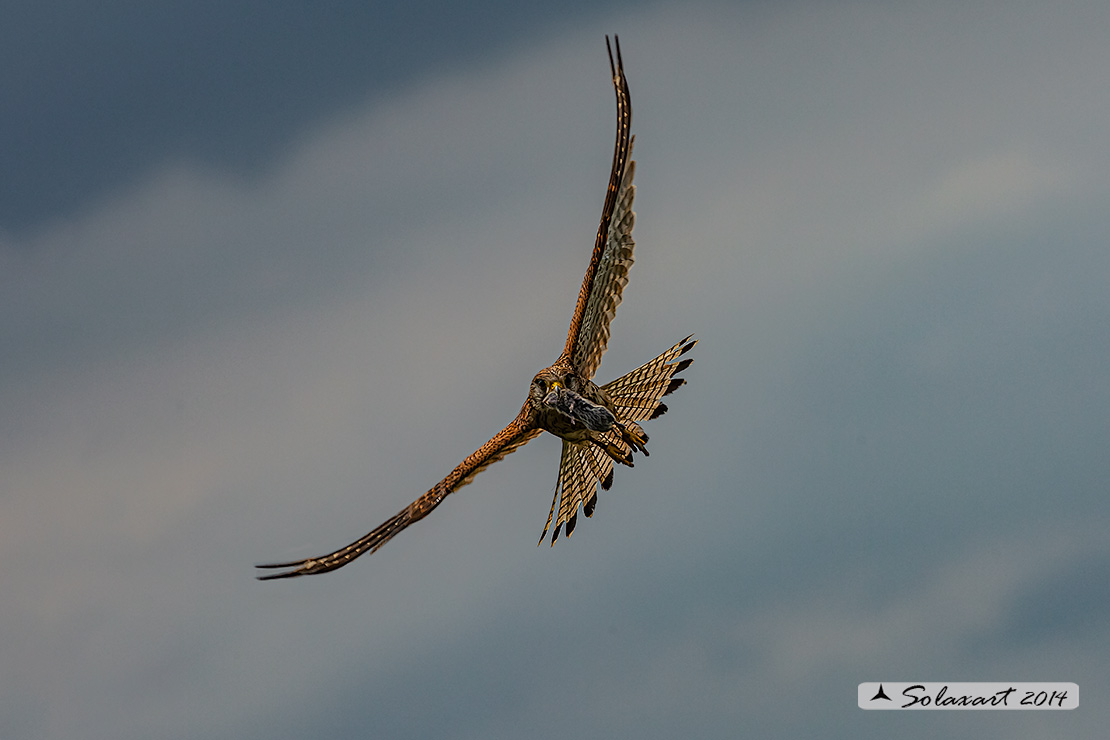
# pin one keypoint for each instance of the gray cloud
(93, 97)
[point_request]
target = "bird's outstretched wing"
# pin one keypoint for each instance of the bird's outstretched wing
(608, 271)
(516, 434)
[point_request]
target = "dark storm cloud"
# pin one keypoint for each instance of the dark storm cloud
(93, 94)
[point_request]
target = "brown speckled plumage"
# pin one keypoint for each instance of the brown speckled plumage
(598, 424)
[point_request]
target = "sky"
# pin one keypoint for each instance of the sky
(268, 271)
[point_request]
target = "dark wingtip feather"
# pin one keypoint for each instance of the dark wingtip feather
(606, 484)
(298, 564)
(572, 523)
(292, 564)
(588, 509)
(675, 384)
(275, 576)
(679, 367)
(659, 411)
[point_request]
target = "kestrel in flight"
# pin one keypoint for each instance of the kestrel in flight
(598, 424)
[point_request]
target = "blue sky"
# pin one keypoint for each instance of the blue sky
(269, 271)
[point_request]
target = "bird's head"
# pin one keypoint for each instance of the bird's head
(548, 380)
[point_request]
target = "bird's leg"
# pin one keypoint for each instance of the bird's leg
(633, 435)
(613, 451)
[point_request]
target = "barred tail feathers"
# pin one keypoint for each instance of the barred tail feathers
(638, 394)
(583, 466)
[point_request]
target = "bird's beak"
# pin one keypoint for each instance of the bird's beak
(556, 385)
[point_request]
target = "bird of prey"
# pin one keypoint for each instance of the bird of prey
(599, 425)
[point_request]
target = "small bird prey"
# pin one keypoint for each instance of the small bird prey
(599, 425)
